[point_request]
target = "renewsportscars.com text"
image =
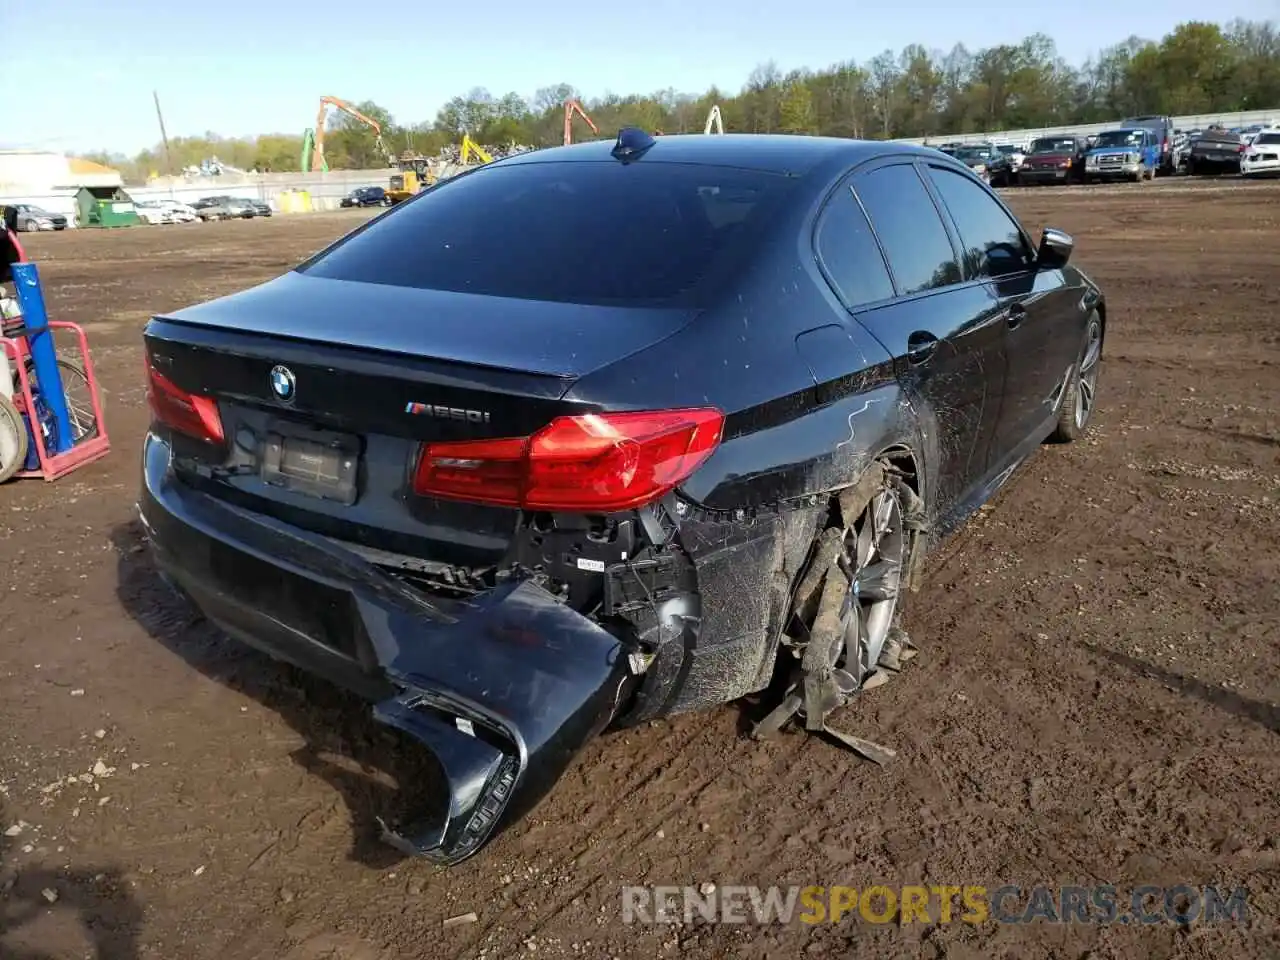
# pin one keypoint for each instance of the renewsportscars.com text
(935, 903)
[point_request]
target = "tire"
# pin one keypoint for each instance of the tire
(847, 604)
(1079, 399)
(13, 439)
(75, 385)
(29, 226)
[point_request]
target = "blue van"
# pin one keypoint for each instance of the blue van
(1131, 154)
(1161, 128)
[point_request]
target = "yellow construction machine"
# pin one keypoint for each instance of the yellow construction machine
(415, 175)
(472, 149)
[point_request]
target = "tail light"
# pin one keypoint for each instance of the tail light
(594, 463)
(188, 413)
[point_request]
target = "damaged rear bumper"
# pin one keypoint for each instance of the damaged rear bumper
(503, 689)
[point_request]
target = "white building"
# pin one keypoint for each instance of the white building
(50, 180)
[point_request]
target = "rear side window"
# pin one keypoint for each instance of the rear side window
(993, 244)
(849, 252)
(635, 234)
(910, 231)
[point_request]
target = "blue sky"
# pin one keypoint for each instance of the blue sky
(238, 67)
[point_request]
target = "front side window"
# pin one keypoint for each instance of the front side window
(910, 231)
(645, 233)
(993, 243)
(1121, 138)
(1054, 145)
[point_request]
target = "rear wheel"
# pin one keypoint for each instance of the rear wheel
(842, 633)
(846, 606)
(13, 439)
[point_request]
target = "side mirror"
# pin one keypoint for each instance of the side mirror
(1055, 249)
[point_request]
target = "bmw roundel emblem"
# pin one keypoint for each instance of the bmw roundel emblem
(282, 383)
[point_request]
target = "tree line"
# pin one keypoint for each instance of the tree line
(1196, 68)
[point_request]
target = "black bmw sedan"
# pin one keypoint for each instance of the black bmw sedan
(596, 434)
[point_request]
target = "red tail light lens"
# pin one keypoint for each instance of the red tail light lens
(596, 463)
(187, 413)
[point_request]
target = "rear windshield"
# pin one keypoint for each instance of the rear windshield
(1266, 138)
(636, 234)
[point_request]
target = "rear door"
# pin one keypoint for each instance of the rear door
(940, 328)
(1036, 307)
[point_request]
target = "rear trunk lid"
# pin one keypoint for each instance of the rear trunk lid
(374, 371)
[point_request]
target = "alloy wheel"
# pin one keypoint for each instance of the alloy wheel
(1087, 379)
(869, 564)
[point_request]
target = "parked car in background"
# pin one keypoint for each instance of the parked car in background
(1006, 164)
(1215, 152)
(1262, 157)
(1162, 128)
(1123, 154)
(514, 493)
(978, 159)
(1248, 133)
(32, 218)
(179, 212)
(1056, 159)
(207, 208)
(223, 208)
(1182, 149)
(152, 212)
(240, 207)
(366, 197)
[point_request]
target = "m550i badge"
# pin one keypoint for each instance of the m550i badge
(447, 413)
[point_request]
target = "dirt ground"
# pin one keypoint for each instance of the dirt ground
(1095, 701)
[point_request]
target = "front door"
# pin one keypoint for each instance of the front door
(1031, 307)
(942, 329)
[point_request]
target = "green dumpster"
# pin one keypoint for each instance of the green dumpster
(105, 207)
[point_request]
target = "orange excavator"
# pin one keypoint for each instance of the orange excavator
(571, 107)
(317, 155)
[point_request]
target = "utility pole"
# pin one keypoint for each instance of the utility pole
(168, 160)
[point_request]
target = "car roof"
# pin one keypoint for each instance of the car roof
(771, 152)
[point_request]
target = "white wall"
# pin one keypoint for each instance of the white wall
(326, 189)
(1270, 117)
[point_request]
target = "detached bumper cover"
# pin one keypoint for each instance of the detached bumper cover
(504, 690)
